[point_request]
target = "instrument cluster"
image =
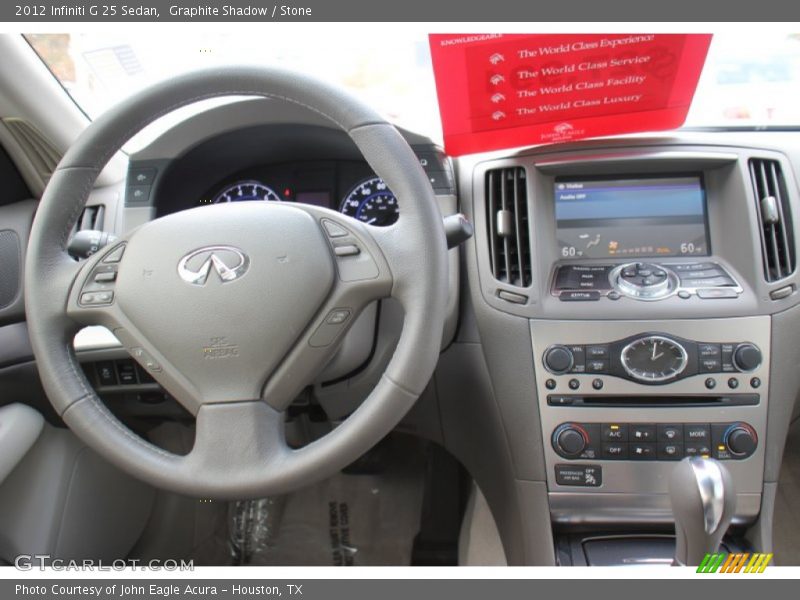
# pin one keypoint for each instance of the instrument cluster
(347, 186)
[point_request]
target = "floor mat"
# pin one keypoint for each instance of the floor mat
(786, 528)
(349, 519)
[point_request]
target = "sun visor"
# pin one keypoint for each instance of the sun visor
(500, 91)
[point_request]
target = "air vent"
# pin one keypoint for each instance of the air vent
(507, 218)
(92, 217)
(42, 154)
(774, 217)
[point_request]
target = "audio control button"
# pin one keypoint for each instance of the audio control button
(558, 359)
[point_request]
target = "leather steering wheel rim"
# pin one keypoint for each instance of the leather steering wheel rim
(240, 450)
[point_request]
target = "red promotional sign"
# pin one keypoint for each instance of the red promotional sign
(502, 91)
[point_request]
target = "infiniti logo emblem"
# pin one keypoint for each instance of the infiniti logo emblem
(229, 263)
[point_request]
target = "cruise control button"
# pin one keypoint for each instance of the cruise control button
(145, 359)
(105, 277)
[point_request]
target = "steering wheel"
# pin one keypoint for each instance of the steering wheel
(234, 308)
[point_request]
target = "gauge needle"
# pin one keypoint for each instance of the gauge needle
(656, 356)
(371, 221)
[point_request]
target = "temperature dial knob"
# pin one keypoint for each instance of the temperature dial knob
(570, 439)
(740, 439)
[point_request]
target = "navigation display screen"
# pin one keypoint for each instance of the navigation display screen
(630, 218)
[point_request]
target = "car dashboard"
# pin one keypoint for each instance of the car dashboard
(625, 303)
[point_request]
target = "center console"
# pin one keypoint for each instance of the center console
(648, 278)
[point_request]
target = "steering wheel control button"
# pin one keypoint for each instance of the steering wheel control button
(579, 475)
(96, 298)
(747, 357)
(559, 359)
(105, 277)
(334, 230)
(338, 316)
(144, 358)
(346, 250)
(330, 328)
(115, 255)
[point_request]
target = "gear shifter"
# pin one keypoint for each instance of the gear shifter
(703, 502)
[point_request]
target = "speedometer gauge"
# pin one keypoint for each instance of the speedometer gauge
(246, 190)
(372, 202)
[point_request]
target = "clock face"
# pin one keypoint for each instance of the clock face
(654, 358)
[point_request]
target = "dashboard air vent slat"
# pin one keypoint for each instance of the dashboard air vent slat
(507, 220)
(774, 218)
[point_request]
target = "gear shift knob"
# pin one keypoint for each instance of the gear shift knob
(703, 503)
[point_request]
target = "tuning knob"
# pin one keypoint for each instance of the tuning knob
(558, 359)
(747, 357)
(740, 439)
(569, 439)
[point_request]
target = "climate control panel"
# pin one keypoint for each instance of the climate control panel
(652, 358)
(654, 441)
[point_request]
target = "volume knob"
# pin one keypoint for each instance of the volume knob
(558, 359)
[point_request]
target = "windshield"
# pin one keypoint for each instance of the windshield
(747, 81)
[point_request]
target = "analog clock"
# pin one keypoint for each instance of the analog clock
(654, 358)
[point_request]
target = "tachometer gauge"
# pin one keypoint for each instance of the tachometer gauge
(246, 190)
(654, 358)
(372, 202)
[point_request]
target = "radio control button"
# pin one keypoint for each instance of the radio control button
(558, 359)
